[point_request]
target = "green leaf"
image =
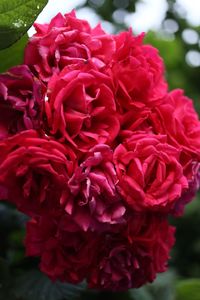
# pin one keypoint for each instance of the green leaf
(34, 285)
(13, 55)
(188, 289)
(16, 17)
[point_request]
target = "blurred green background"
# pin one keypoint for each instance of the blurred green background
(179, 44)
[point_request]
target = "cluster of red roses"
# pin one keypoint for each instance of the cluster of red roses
(97, 152)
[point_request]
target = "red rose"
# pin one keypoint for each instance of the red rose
(177, 118)
(81, 108)
(21, 101)
(66, 252)
(150, 175)
(192, 172)
(134, 121)
(138, 72)
(95, 200)
(65, 41)
(129, 261)
(35, 172)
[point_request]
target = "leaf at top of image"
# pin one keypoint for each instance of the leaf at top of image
(14, 55)
(16, 17)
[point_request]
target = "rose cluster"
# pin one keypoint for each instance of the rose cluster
(97, 152)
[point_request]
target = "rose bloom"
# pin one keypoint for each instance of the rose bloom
(193, 177)
(177, 118)
(81, 108)
(130, 261)
(134, 121)
(94, 197)
(65, 251)
(150, 175)
(34, 171)
(138, 71)
(21, 101)
(174, 116)
(67, 41)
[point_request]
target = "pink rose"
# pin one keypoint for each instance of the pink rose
(134, 121)
(150, 175)
(67, 41)
(192, 172)
(81, 108)
(94, 198)
(65, 251)
(177, 118)
(21, 101)
(35, 172)
(138, 71)
(129, 261)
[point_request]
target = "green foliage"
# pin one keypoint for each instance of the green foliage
(16, 17)
(188, 289)
(34, 285)
(186, 253)
(13, 55)
(178, 73)
(106, 9)
(109, 6)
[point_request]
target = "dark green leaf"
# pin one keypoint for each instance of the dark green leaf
(34, 285)
(188, 289)
(13, 55)
(16, 17)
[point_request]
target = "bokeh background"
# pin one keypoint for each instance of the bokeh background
(173, 27)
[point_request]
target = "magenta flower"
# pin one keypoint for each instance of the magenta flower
(21, 101)
(94, 195)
